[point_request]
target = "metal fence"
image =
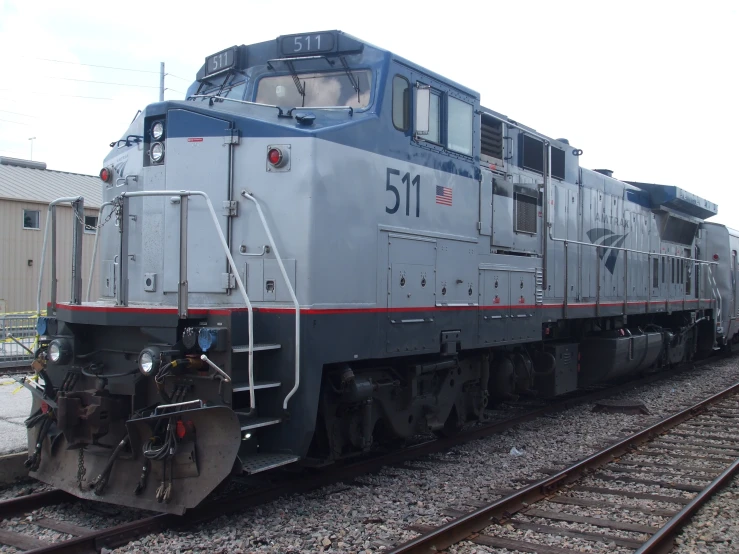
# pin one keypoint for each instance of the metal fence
(18, 339)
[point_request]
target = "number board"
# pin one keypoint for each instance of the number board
(313, 43)
(221, 61)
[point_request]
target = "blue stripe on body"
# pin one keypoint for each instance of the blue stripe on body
(365, 131)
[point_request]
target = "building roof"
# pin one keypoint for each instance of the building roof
(30, 181)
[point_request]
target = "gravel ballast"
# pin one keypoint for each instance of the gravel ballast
(373, 513)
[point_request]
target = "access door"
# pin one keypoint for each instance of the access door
(197, 158)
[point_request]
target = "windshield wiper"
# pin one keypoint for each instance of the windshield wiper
(296, 80)
(216, 98)
(351, 77)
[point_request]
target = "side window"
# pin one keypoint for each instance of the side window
(434, 118)
(401, 108)
(31, 219)
(91, 222)
(459, 126)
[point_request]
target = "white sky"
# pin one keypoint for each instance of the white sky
(648, 89)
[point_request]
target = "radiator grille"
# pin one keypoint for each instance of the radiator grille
(491, 140)
(525, 213)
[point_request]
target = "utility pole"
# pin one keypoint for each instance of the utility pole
(161, 83)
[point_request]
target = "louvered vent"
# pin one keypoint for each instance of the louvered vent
(491, 141)
(525, 213)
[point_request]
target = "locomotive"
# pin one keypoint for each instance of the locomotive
(326, 249)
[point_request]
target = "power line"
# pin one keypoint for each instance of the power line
(103, 66)
(55, 95)
(180, 78)
(16, 122)
(17, 113)
(101, 82)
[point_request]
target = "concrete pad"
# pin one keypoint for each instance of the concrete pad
(12, 468)
(14, 409)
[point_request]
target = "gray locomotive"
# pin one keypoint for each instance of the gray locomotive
(326, 249)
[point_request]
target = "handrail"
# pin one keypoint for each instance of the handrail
(183, 194)
(250, 196)
(717, 293)
(51, 214)
(95, 247)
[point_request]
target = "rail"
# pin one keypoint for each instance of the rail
(272, 245)
(78, 205)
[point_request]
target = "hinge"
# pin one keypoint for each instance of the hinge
(479, 225)
(233, 136)
(230, 208)
(228, 281)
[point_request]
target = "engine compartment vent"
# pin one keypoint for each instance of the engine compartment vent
(491, 139)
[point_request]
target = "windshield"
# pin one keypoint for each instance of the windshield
(229, 90)
(320, 89)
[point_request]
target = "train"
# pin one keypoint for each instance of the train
(325, 250)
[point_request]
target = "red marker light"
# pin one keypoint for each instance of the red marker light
(274, 156)
(105, 174)
(715, 257)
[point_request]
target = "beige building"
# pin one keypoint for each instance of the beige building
(26, 189)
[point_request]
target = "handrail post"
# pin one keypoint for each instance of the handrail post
(626, 281)
(182, 285)
(78, 218)
(53, 258)
(50, 217)
(123, 260)
(567, 284)
(294, 298)
(597, 280)
(650, 278)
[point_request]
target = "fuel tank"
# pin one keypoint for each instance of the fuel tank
(617, 354)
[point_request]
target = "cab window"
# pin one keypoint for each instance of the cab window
(459, 126)
(400, 103)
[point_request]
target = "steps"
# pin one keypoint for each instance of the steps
(249, 423)
(256, 462)
(244, 348)
(258, 385)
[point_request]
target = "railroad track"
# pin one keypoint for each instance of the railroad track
(687, 457)
(83, 539)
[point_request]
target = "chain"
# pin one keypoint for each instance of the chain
(81, 467)
(117, 204)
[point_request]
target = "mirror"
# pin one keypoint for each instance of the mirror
(423, 109)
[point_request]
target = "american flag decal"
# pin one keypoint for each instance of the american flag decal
(443, 195)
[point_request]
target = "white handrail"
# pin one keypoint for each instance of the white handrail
(248, 195)
(52, 204)
(232, 264)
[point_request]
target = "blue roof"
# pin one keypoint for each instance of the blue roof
(677, 199)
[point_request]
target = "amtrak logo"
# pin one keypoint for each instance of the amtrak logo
(609, 240)
(120, 167)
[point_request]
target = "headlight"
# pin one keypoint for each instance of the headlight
(60, 351)
(149, 360)
(157, 152)
(157, 130)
